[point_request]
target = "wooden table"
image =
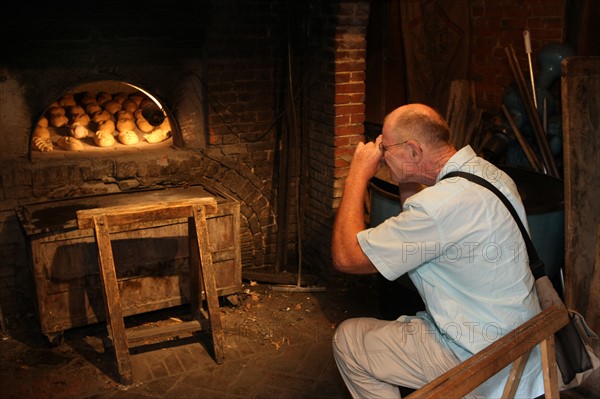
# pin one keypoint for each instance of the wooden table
(152, 257)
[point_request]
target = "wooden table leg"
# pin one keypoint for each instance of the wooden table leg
(112, 299)
(209, 280)
(549, 368)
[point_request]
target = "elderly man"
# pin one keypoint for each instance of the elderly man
(460, 247)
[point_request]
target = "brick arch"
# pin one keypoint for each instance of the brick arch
(256, 212)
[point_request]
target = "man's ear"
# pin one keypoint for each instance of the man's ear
(414, 151)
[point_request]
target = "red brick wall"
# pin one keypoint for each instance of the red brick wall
(500, 23)
(349, 107)
(335, 116)
(243, 62)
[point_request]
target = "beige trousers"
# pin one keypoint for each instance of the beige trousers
(375, 356)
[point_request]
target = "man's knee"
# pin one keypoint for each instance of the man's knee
(343, 335)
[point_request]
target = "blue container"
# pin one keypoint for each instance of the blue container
(385, 200)
(544, 200)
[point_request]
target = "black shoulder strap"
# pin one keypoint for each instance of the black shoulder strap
(535, 263)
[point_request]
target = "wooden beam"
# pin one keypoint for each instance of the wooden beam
(209, 281)
(146, 335)
(593, 313)
(112, 299)
(473, 372)
(514, 377)
(580, 85)
(131, 214)
(549, 368)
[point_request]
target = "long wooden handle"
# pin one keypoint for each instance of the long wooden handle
(532, 114)
(531, 157)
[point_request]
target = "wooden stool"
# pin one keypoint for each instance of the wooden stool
(202, 272)
(512, 348)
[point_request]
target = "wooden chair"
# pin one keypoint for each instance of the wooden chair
(512, 348)
(202, 273)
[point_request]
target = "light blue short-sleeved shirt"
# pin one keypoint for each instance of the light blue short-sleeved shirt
(465, 255)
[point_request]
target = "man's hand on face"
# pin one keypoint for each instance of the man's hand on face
(366, 161)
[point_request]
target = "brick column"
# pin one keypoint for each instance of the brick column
(336, 114)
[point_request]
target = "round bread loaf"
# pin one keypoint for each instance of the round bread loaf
(92, 108)
(123, 114)
(43, 121)
(125, 124)
(144, 125)
(76, 110)
(101, 116)
(41, 132)
(165, 125)
(55, 110)
(104, 139)
(87, 98)
(103, 97)
(81, 120)
(137, 98)
(69, 143)
(112, 107)
(157, 136)
(128, 137)
(119, 97)
(41, 144)
(66, 101)
(107, 126)
(79, 131)
(59, 120)
(129, 105)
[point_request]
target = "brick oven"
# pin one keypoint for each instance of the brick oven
(264, 101)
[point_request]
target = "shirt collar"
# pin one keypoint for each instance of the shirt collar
(457, 161)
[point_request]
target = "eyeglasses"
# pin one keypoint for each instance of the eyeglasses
(384, 148)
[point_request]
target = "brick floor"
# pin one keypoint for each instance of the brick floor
(277, 345)
(302, 370)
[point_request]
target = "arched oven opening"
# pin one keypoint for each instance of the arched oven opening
(103, 117)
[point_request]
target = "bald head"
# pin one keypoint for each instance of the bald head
(418, 122)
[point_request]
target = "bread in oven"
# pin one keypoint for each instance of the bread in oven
(128, 137)
(157, 136)
(69, 143)
(104, 139)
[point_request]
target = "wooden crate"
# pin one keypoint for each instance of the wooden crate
(151, 258)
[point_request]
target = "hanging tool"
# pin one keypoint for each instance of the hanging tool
(527, 39)
(531, 157)
(532, 115)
